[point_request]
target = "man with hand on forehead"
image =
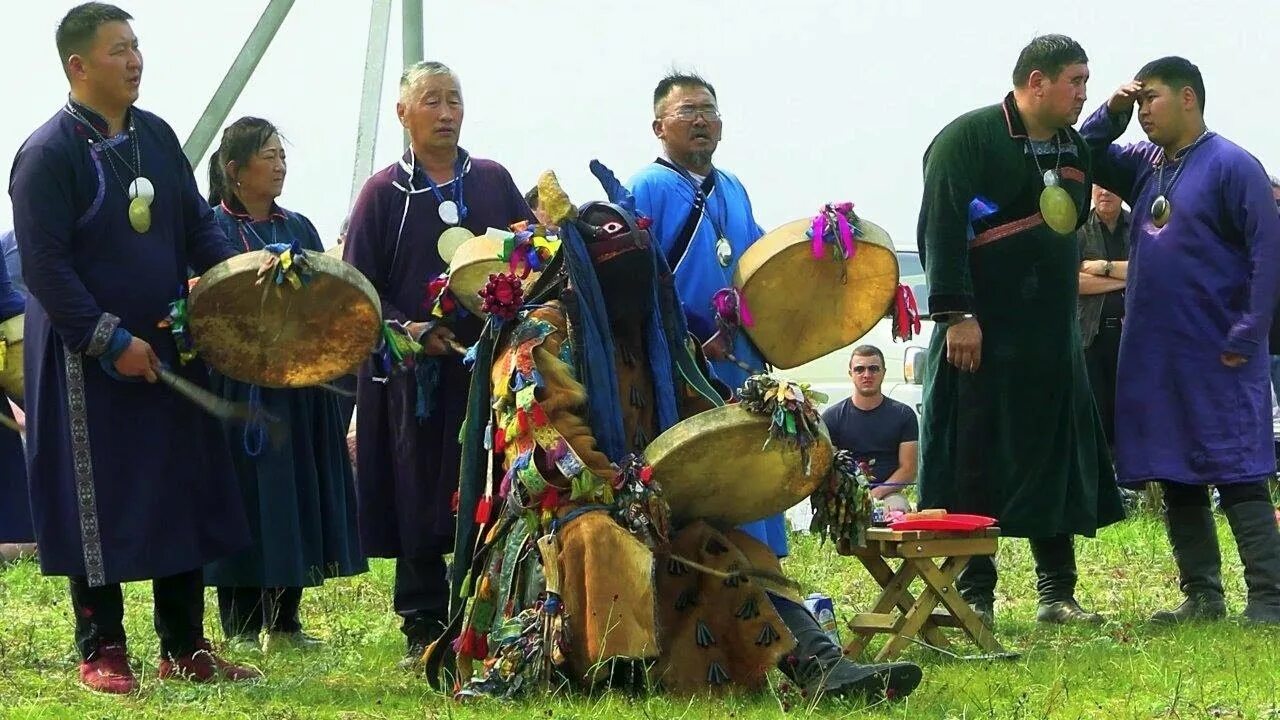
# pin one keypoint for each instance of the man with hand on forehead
(1193, 395)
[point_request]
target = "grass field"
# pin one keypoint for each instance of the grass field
(1123, 669)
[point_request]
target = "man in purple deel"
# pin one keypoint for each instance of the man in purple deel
(1193, 401)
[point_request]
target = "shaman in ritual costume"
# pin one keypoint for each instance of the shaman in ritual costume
(578, 575)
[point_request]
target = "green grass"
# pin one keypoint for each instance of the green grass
(1124, 669)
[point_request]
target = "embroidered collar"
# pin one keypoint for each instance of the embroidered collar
(411, 177)
(95, 119)
(233, 207)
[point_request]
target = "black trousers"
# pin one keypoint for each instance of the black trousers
(421, 597)
(1183, 495)
(250, 610)
(1055, 559)
(1101, 359)
(178, 615)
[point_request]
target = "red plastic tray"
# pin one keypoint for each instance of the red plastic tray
(950, 521)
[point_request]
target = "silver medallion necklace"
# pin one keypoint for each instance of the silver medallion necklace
(1162, 207)
(139, 190)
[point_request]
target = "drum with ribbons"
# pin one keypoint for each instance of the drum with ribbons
(482, 265)
(815, 285)
(284, 317)
(11, 358)
(739, 463)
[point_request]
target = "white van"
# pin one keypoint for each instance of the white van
(829, 374)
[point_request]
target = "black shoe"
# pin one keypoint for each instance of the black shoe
(1195, 607)
(819, 666)
(1066, 612)
(414, 656)
(1194, 538)
(1258, 540)
(845, 678)
(986, 612)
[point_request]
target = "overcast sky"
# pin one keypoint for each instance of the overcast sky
(822, 100)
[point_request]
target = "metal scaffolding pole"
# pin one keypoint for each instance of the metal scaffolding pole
(412, 37)
(375, 65)
(237, 77)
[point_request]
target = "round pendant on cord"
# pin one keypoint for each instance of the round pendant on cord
(1058, 209)
(1050, 178)
(1161, 209)
(141, 194)
(724, 252)
(142, 188)
(450, 240)
(449, 212)
(139, 215)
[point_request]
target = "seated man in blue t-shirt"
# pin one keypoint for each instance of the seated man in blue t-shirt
(878, 430)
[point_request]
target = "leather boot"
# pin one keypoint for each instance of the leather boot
(1194, 540)
(420, 631)
(818, 665)
(1258, 540)
(1056, 577)
(977, 585)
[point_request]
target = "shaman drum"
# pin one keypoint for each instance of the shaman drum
(278, 335)
(804, 307)
(471, 265)
(714, 467)
(11, 358)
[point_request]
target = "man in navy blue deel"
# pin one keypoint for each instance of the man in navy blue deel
(128, 481)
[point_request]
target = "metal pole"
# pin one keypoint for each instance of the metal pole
(233, 84)
(375, 64)
(412, 38)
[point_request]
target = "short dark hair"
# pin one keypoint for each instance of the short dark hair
(531, 198)
(1049, 54)
(79, 26)
(241, 140)
(1177, 73)
(679, 79)
(867, 351)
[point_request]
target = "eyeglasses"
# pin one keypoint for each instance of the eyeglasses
(860, 369)
(688, 113)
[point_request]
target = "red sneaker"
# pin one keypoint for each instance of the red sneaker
(108, 671)
(203, 666)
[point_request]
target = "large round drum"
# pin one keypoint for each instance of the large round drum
(804, 307)
(471, 265)
(280, 336)
(714, 467)
(11, 358)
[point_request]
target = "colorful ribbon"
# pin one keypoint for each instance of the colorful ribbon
(836, 225)
(528, 249)
(285, 263)
(178, 322)
(906, 314)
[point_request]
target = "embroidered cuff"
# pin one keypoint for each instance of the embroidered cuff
(102, 334)
(120, 340)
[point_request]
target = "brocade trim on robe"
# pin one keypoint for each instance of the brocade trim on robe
(82, 461)
(102, 333)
